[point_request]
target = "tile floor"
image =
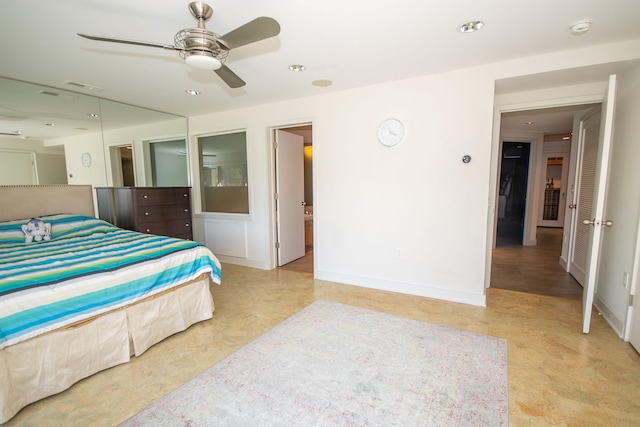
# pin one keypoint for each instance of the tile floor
(557, 375)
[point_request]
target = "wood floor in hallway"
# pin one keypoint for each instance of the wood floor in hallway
(535, 269)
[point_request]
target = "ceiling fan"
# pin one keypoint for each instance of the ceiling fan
(206, 50)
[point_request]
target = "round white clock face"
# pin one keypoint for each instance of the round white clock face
(391, 132)
(86, 160)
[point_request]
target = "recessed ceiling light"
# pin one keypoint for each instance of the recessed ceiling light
(93, 115)
(580, 28)
(297, 67)
(193, 92)
(322, 83)
(471, 26)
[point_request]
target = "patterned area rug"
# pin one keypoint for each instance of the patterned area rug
(337, 365)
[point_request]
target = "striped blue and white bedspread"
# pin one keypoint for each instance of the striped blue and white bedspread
(75, 276)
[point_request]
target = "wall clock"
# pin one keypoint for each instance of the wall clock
(86, 160)
(391, 132)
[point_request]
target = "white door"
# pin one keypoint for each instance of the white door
(583, 202)
(290, 196)
(17, 168)
(596, 221)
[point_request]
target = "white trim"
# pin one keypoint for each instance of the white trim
(417, 289)
(606, 313)
(634, 287)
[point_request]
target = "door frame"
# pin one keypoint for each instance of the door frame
(272, 252)
(496, 151)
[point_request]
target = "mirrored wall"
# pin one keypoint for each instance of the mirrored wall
(54, 136)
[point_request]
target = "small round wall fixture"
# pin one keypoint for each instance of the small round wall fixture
(391, 132)
(466, 158)
(86, 159)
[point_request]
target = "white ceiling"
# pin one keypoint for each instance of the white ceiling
(352, 43)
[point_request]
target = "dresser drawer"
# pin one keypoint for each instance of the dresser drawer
(159, 213)
(177, 227)
(161, 196)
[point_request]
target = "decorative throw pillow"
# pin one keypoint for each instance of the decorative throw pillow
(36, 230)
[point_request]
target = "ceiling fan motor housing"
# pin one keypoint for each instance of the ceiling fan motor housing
(201, 43)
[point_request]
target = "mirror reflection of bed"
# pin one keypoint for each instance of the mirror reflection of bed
(104, 302)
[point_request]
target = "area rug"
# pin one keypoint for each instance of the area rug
(338, 365)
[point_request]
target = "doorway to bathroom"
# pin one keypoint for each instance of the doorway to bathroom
(294, 219)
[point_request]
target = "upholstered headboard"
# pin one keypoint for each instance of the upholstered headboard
(30, 201)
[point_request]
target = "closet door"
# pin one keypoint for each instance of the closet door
(586, 180)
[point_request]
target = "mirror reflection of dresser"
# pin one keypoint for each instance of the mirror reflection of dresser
(164, 211)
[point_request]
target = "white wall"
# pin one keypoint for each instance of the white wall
(49, 161)
(77, 174)
(370, 200)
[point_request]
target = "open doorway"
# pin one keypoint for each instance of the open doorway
(122, 165)
(294, 224)
(512, 199)
(529, 228)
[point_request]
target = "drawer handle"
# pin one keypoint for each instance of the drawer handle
(146, 213)
(145, 197)
(148, 231)
(184, 195)
(186, 225)
(186, 210)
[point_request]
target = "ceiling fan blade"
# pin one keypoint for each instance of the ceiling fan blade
(230, 78)
(253, 31)
(133, 42)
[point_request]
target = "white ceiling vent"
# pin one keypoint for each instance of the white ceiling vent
(84, 86)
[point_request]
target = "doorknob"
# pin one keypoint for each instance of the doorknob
(573, 206)
(303, 203)
(607, 223)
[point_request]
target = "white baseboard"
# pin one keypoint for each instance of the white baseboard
(405, 288)
(615, 323)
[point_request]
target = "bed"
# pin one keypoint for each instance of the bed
(86, 295)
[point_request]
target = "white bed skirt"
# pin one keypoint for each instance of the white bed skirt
(48, 364)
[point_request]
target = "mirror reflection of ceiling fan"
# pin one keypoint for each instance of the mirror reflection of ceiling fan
(206, 50)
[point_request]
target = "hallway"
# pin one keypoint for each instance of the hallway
(534, 269)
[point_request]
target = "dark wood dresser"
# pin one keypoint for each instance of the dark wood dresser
(155, 210)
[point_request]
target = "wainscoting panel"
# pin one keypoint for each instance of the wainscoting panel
(226, 238)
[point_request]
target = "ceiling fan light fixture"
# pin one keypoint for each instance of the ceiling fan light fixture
(203, 62)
